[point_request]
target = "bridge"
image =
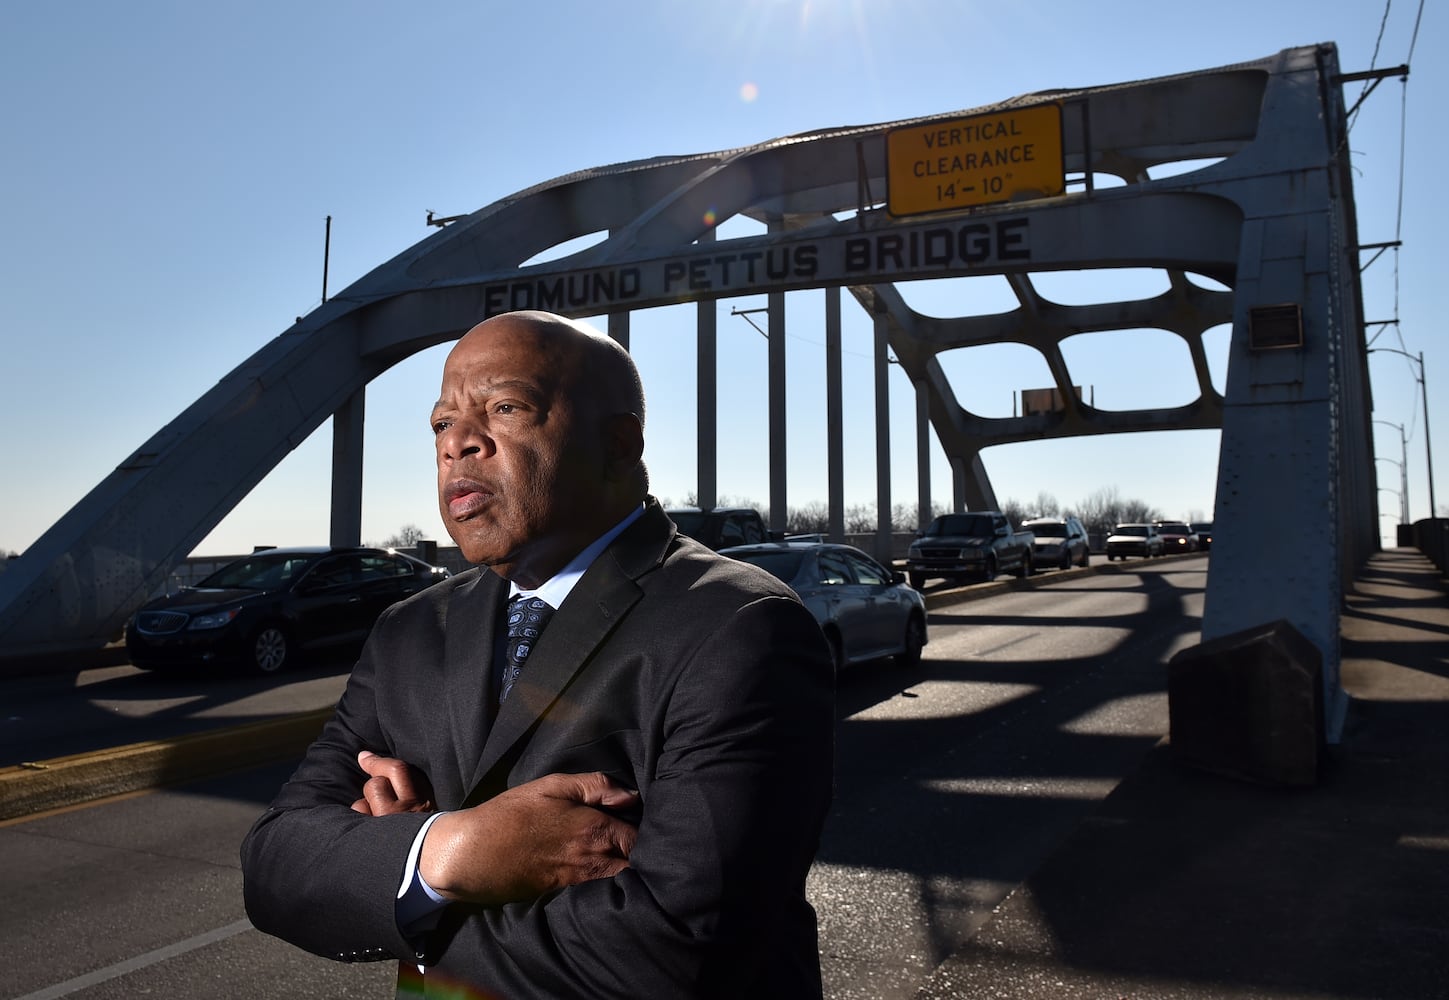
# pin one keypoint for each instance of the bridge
(1258, 233)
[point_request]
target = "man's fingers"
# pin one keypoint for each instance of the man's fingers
(593, 788)
(379, 766)
(393, 785)
(624, 836)
(380, 796)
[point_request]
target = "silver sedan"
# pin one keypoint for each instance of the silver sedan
(866, 611)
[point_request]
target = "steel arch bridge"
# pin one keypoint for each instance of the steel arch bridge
(1269, 217)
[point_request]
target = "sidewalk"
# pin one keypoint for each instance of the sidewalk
(1188, 885)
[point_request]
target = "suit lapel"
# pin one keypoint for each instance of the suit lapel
(473, 617)
(591, 612)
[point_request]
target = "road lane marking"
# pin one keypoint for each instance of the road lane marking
(139, 962)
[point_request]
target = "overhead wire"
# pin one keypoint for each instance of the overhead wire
(1409, 357)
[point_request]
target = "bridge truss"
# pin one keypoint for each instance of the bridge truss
(1267, 216)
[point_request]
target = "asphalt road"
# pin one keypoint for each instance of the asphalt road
(955, 781)
(54, 715)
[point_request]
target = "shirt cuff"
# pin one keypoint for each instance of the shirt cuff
(419, 907)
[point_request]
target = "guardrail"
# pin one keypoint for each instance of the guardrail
(1431, 537)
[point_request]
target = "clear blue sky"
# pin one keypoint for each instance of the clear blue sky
(169, 166)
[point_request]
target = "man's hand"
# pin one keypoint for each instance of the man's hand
(531, 840)
(395, 786)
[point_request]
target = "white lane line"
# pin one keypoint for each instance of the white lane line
(139, 962)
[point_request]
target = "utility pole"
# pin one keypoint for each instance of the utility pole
(326, 255)
(1424, 394)
(1403, 465)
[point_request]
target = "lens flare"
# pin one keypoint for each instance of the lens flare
(748, 92)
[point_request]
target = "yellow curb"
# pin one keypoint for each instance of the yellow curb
(63, 781)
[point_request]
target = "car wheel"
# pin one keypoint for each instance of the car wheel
(1024, 570)
(837, 650)
(989, 573)
(270, 649)
(1086, 559)
(913, 642)
(917, 580)
(1066, 562)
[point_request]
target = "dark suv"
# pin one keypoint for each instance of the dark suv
(260, 610)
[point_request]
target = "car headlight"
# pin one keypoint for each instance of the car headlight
(216, 619)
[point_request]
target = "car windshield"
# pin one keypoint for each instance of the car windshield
(961, 524)
(262, 571)
(783, 564)
(1202, 526)
(1131, 529)
(1048, 529)
(1172, 529)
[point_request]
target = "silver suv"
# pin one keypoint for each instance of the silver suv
(1061, 542)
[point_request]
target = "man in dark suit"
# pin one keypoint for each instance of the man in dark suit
(632, 812)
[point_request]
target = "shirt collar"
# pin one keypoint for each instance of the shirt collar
(557, 587)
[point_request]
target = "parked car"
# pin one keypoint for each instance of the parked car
(1204, 531)
(1134, 540)
(260, 611)
(865, 610)
(720, 527)
(972, 545)
(1177, 537)
(1060, 542)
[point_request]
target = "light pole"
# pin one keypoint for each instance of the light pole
(1423, 392)
(1403, 465)
(1385, 489)
(1403, 501)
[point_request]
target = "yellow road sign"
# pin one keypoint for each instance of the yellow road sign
(979, 160)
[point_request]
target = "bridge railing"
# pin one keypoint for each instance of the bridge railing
(1431, 537)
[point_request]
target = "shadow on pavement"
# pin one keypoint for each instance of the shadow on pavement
(1185, 884)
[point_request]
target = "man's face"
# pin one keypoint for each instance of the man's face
(520, 451)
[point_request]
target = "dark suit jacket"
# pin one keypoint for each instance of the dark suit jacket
(696, 679)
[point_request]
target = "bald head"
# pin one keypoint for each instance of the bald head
(588, 362)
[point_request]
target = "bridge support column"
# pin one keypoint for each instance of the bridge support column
(923, 454)
(834, 418)
(775, 314)
(619, 328)
(706, 419)
(347, 425)
(882, 437)
(1278, 533)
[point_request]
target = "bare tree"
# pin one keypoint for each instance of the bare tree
(1099, 510)
(1014, 511)
(1046, 505)
(904, 517)
(811, 519)
(860, 518)
(1105, 509)
(407, 537)
(1140, 510)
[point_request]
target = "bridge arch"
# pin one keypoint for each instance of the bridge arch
(1238, 174)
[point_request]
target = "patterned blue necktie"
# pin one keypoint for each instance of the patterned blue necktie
(526, 618)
